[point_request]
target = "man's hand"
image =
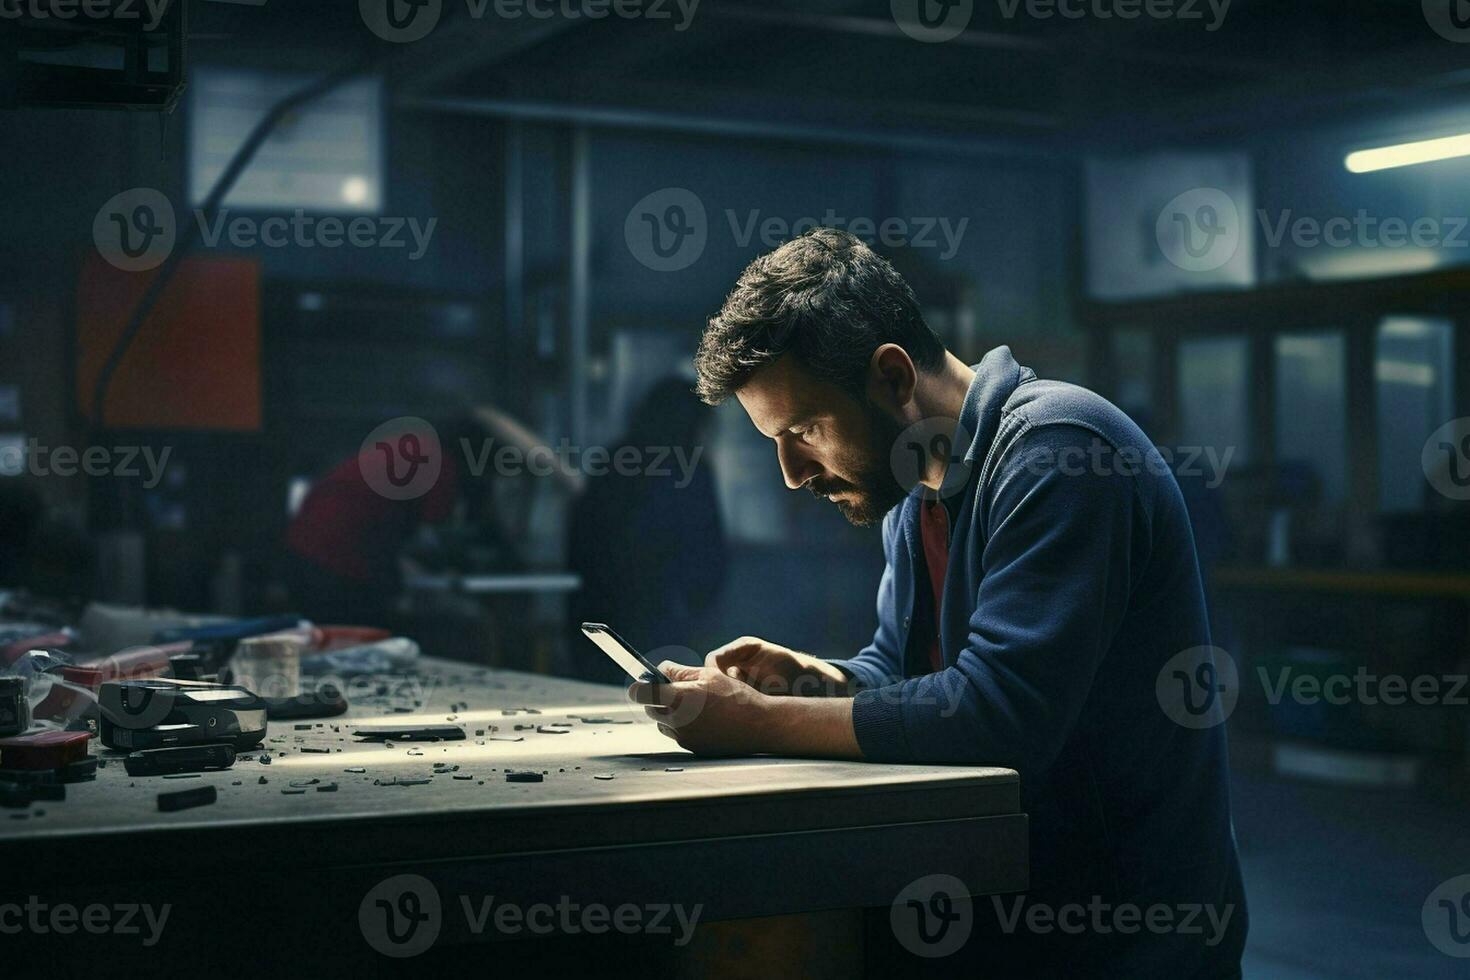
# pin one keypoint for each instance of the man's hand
(705, 711)
(775, 670)
(709, 712)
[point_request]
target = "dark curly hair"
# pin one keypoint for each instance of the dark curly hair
(827, 298)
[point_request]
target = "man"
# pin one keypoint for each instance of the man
(1041, 576)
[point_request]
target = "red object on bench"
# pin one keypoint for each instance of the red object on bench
(45, 750)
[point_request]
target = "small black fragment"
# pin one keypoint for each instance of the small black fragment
(292, 792)
(265, 760)
(306, 748)
(186, 799)
(524, 777)
(327, 788)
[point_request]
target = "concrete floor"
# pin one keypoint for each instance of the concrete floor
(1337, 878)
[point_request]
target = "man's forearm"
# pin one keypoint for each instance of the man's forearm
(813, 727)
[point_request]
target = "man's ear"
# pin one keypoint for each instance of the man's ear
(892, 378)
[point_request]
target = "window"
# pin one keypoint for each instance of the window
(1214, 395)
(1412, 368)
(327, 156)
(1311, 409)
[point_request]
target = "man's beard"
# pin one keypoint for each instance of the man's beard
(875, 490)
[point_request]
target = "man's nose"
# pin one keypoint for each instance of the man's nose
(796, 466)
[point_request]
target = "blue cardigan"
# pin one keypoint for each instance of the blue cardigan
(1072, 580)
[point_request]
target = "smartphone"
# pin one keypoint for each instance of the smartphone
(622, 653)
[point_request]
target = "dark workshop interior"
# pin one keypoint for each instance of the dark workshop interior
(348, 366)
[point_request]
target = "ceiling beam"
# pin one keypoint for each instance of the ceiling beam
(1052, 48)
(651, 120)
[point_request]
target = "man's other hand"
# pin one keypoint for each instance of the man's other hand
(776, 670)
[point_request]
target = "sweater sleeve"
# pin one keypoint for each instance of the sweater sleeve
(1057, 564)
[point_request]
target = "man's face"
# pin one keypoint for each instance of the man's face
(825, 440)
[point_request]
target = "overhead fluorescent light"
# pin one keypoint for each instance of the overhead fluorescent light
(1408, 154)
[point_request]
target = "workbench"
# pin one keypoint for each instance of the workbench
(279, 869)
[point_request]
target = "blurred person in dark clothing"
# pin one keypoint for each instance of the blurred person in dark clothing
(650, 546)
